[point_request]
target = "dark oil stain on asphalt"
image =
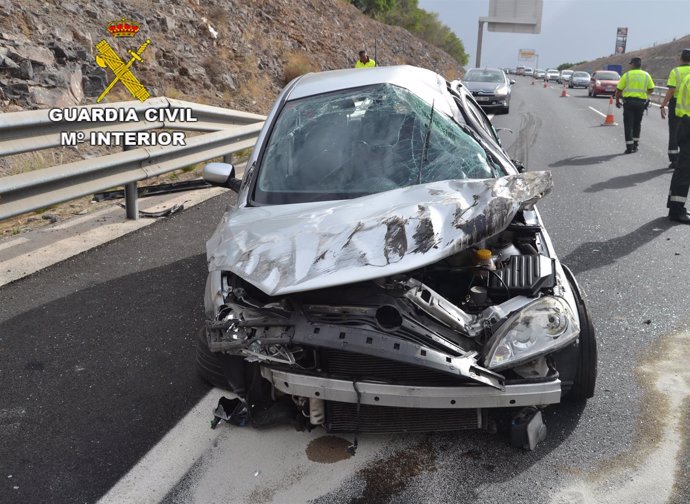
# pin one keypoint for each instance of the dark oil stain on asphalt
(388, 477)
(328, 450)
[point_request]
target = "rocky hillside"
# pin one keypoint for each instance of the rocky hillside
(235, 53)
(657, 60)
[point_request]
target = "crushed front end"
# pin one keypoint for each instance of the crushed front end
(438, 348)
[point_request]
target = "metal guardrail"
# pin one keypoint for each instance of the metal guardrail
(225, 132)
(658, 95)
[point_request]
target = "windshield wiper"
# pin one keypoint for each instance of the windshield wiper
(425, 147)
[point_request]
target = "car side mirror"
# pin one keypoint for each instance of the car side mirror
(512, 82)
(222, 175)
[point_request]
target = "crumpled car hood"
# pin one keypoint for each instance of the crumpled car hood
(291, 248)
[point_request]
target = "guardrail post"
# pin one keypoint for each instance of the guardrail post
(131, 199)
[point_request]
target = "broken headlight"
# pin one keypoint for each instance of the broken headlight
(539, 328)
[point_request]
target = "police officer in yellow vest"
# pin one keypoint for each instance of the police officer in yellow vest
(364, 61)
(680, 182)
(634, 87)
(674, 79)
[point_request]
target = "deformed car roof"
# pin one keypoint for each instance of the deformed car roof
(422, 82)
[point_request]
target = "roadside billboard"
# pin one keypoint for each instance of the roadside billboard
(515, 16)
(526, 54)
(621, 39)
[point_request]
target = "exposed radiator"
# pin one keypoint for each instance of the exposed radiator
(342, 417)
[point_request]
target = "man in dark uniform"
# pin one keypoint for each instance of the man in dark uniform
(680, 183)
(635, 86)
(674, 79)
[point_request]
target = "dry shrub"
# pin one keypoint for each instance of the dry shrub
(297, 64)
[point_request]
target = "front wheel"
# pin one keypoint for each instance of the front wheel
(586, 369)
(210, 365)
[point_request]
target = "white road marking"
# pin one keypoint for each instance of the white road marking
(236, 464)
(75, 221)
(12, 243)
(167, 462)
(274, 466)
(601, 114)
(14, 267)
(668, 393)
(597, 111)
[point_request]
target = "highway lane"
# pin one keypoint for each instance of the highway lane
(97, 356)
(97, 359)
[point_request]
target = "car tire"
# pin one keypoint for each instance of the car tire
(209, 365)
(586, 374)
(505, 110)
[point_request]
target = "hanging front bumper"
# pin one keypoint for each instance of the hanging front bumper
(413, 396)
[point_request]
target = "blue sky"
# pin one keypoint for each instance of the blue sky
(572, 30)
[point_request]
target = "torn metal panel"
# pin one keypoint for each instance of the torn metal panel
(292, 248)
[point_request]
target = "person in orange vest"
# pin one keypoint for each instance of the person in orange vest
(674, 79)
(364, 60)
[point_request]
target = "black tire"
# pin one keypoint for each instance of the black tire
(586, 374)
(505, 110)
(209, 364)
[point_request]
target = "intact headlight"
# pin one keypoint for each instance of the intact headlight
(541, 327)
(502, 92)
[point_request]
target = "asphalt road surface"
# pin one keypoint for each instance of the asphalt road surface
(99, 399)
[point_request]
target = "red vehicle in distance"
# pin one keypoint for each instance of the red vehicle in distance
(603, 82)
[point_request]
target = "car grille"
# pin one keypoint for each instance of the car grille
(342, 417)
(362, 367)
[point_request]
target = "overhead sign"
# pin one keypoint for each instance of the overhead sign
(514, 16)
(527, 54)
(621, 39)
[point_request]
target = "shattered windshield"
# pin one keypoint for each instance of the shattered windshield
(362, 141)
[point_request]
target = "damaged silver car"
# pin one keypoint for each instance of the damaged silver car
(385, 268)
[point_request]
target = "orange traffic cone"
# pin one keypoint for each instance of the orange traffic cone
(545, 85)
(609, 115)
(563, 93)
